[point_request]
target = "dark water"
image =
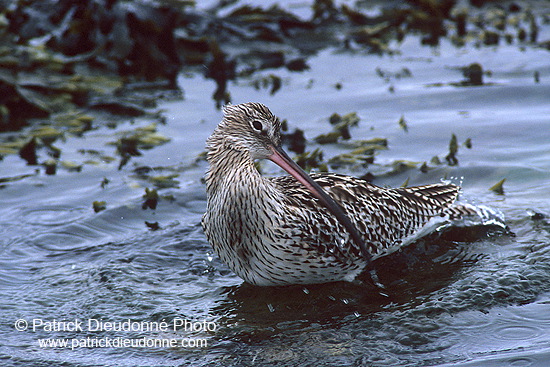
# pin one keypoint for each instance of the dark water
(463, 299)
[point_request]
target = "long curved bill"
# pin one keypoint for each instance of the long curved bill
(282, 159)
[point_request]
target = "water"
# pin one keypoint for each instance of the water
(460, 299)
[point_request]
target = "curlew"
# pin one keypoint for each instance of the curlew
(302, 229)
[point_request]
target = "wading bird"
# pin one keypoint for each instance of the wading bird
(302, 229)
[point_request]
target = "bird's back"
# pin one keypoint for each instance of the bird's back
(384, 217)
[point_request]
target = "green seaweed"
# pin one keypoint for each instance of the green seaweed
(400, 166)
(153, 226)
(99, 206)
(451, 158)
(130, 142)
(50, 166)
(164, 181)
(271, 82)
(71, 166)
(105, 182)
(28, 152)
(498, 187)
(403, 124)
(328, 138)
(435, 160)
(311, 160)
(424, 167)
(151, 197)
(341, 125)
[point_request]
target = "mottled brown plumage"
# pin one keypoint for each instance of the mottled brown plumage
(278, 230)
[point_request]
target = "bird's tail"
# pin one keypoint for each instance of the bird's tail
(460, 211)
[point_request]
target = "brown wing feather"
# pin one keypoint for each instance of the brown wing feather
(383, 216)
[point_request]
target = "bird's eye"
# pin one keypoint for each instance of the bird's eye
(257, 125)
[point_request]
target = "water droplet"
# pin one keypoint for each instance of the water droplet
(209, 256)
(306, 291)
(270, 307)
(345, 301)
(357, 314)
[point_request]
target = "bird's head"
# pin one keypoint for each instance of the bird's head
(247, 127)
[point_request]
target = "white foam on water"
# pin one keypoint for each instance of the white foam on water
(485, 216)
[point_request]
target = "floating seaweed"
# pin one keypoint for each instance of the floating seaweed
(151, 199)
(98, 157)
(311, 160)
(271, 82)
(164, 181)
(298, 64)
(119, 108)
(130, 143)
(99, 206)
(351, 159)
(153, 226)
(473, 74)
(424, 167)
(451, 158)
(361, 155)
(19, 105)
(221, 70)
(341, 125)
(71, 166)
(389, 76)
(403, 124)
(50, 166)
(399, 166)
(373, 143)
(105, 182)
(435, 160)
(28, 152)
(328, 138)
(295, 141)
(498, 187)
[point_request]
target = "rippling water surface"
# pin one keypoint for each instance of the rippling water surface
(463, 298)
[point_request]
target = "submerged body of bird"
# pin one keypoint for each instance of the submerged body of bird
(302, 229)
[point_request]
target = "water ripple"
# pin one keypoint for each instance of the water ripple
(521, 332)
(521, 362)
(536, 312)
(53, 215)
